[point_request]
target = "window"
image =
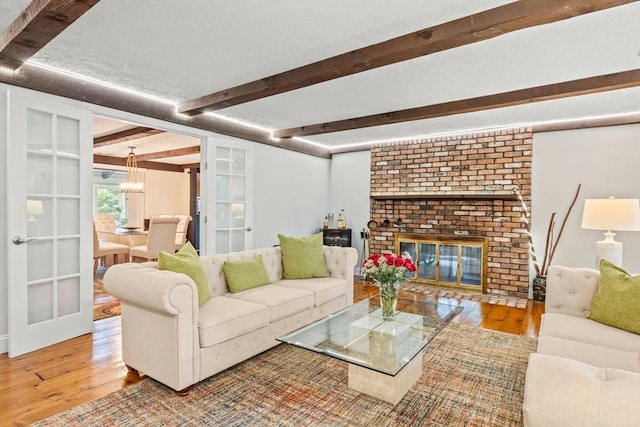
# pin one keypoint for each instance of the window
(107, 198)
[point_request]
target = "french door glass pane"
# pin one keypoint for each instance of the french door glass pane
(68, 136)
(39, 127)
(40, 302)
(427, 261)
(448, 263)
(222, 187)
(41, 251)
(39, 217)
(39, 173)
(222, 242)
(68, 264)
(68, 176)
(237, 240)
(223, 160)
(237, 188)
(68, 296)
(223, 215)
(237, 214)
(67, 216)
(238, 162)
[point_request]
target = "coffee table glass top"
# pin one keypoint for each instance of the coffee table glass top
(360, 336)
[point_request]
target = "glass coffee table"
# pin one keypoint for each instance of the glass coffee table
(384, 356)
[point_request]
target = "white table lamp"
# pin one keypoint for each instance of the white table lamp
(611, 215)
(34, 208)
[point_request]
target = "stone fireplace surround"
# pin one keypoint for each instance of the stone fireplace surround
(459, 185)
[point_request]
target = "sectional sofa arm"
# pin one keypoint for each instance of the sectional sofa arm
(340, 261)
(570, 290)
(152, 289)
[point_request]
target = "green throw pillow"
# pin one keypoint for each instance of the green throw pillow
(187, 261)
(245, 274)
(617, 300)
(303, 257)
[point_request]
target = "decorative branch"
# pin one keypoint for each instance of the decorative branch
(547, 245)
(564, 222)
(550, 243)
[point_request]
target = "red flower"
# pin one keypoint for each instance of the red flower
(409, 265)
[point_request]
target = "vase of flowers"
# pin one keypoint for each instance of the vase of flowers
(388, 271)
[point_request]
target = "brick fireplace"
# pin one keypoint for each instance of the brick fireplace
(459, 186)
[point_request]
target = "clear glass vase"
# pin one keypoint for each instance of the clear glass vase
(388, 298)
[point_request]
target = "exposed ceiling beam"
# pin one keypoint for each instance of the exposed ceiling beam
(119, 161)
(603, 83)
(124, 135)
(191, 165)
(463, 31)
(37, 25)
(169, 153)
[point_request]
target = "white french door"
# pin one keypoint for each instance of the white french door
(50, 254)
(230, 182)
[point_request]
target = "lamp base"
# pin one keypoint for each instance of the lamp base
(609, 249)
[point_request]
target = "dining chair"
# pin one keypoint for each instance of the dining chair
(110, 253)
(181, 231)
(161, 237)
(106, 226)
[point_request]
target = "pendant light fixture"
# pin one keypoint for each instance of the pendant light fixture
(132, 182)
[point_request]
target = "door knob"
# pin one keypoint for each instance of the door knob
(248, 228)
(19, 240)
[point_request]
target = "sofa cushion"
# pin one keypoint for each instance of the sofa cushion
(617, 299)
(187, 261)
(324, 289)
(589, 331)
(282, 302)
(245, 274)
(222, 318)
(565, 392)
(303, 257)
(589, 341)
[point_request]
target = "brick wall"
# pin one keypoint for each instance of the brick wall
(486, 163)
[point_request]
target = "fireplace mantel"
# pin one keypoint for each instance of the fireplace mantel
(493, 196)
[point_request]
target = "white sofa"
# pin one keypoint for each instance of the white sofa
(584, 373)
(168, 337)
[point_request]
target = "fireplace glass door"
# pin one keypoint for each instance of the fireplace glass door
(447, 262)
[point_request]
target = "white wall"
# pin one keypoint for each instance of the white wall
(290, 194)
(606, 161)
(349, 189)
(166, 193)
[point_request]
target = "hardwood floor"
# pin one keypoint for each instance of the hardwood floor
(45, 382)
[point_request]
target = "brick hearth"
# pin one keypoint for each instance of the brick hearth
(430, 185)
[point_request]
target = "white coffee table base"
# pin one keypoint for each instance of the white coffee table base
(385, 387)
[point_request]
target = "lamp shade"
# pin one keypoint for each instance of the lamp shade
(611, 214)
(34, 207)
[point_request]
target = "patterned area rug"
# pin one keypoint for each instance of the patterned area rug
(472, 377)
(104, 305)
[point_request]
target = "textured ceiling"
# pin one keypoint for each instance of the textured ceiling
(182, 49)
